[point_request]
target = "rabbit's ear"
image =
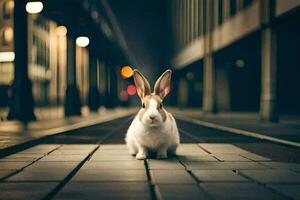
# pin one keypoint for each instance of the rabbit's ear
(141, 84)
(162, 85)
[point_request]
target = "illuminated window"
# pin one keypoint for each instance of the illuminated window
(8, 9)
(7, 36)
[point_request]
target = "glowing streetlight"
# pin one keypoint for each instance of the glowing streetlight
(61, 30)
(34, 7)
(82, 41)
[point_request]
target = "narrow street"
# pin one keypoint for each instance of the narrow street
(93, 163)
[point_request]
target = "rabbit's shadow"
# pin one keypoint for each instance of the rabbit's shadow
(153, 155)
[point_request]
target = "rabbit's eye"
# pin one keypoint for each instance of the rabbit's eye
(143, 105)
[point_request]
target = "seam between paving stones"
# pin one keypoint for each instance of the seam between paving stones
(198, 140)
(240, 173)
(154, 192)
(65, 181)
(190, 171)
(21, 169)
(52, 193)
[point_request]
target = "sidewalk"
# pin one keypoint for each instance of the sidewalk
(288, 127)
(14, 133)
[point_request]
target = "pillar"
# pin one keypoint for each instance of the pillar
(111, 95)
(22, 103)
(94, 96)
(209, 71)
(268, 102)
(72, 99)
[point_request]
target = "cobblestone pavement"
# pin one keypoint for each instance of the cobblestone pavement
(93, 163)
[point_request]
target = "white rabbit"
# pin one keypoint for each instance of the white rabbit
(153, 128)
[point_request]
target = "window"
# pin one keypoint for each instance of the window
(8, 9)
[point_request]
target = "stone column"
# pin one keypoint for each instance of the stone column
(112, 89)
(94, 96)
(209, 79)
(22, 103)
(268, 103)
(72, 99)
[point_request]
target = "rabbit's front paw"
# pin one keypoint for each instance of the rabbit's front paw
(141, 155)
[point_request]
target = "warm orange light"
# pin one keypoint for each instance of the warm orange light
(126, 72)
(131, 90)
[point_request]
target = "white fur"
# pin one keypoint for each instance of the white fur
(155, 135)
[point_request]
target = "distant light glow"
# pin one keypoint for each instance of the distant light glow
(82, 41)
(123, 95)
(190, 76)
(34, 7)
(61, 30)
(126, 72)
(240, 63)
(131, 90)
(7, 56)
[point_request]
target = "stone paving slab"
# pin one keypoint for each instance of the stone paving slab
(230, 157)
(255, 157)
(222, 148)
(21, 158)
(165, 164)
(273, 176)
(78, 147)
(171, 177)
(40, 175)
(53, 165)
(113, 165)
(63, 158)
(290, 190)
(110, 175)
(98, 190)
(197, 158)
(238, 191)
(235, 165)
(111, 152)
(218, 176)
(121, 147)
(190, 149)
(112, 157)
(12, 165)
(282, 165)
(71, 152)
(40, 149)
(22, 191)
(4, 173)
(179, 192)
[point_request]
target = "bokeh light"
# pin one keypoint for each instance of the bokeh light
(123, 95)
(126, 72)
(82, 41)
(131, 90)
(34, 7)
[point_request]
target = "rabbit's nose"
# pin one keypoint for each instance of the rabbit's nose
(152, 117)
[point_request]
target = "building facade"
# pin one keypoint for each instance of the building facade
(241, 54)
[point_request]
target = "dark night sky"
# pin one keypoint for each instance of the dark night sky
(145, 27)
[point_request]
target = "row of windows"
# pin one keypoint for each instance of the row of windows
(193, 18)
